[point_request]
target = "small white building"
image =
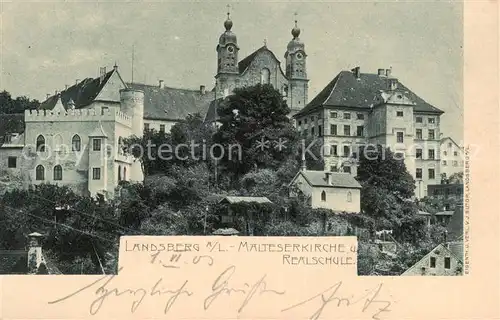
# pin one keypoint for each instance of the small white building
(329, 190)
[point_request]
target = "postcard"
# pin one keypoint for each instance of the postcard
(249, 160)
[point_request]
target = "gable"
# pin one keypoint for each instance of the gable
(111, 89)
(259, 59)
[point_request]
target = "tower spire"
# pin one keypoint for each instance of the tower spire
(228, 11)
(296, 29)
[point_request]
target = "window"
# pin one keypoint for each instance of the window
(40, 144)
(455, 153)
(58, 172)
(333, 114)
(146, 126)
(419, 119)
(40, 172)
(347, 130)
(431, 134)
(265, 76)
(347, 169)
(447, 263)
(162, 128)
(349, 196)
(334, 169)
(320, 131)
(312, 131)
(445, 153)
(76, 143)
(455, 163)
(347, 115)
(305, 121)
(418, 153)
(433, 262)
(104, 110)
(449, 144)
(360, 116)
(444, 163)
(119, 173)
(125, 173)
(333, 129)
(333, 150)
(347, 151)
(419, 134)
(431, 154)
(96, 144)
(96, 173)
(432, 174)
(360, 131)
(12, 162)
(431, 120)
(399, 136)
(399, 113)
(300, 123)
(312, 119)
(323, 195)
(8, 138)
(418, 173)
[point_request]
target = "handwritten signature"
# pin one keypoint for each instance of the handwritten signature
(222, 285)
(331, 295)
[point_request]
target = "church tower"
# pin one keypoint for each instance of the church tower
(296, 72)
(227, 60)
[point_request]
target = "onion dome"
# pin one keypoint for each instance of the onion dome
(228, 36)
(295, 44)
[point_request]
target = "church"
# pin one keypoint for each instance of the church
(75, 137)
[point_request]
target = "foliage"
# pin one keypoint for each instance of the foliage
(18, 105)
(456, 178)
(249, 118)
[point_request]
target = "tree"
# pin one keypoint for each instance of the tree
(253, 123)
(387, 189)
(456, 178)
(18, 105)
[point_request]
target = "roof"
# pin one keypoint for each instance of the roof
(347, 91)
(318, 179)
(438, 247)
(98, 131)
(226, 231)
(172, 103)
(449, 138)
(444, 213)
(232, 200)
(457, 248)
(11, 123)
(245, 63)
(82, 93)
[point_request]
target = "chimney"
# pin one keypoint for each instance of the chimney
(66, 87)
(393, 84)
(115, 67)
(48, 95)
(34, 252)
(77, 80)
(381, 72)
(55, 92)
(102, 73)
(356, 72)
(328, 177)
(160, 84)
(202, 89)
(304, 165)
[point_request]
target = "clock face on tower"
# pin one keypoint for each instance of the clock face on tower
(299, 56)
(230, 49)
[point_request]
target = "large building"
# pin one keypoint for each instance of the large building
(452, 157)
(75, 138)
(356, 109)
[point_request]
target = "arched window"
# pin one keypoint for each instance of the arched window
(76, 143)
(265, 76)
(125, 173)
(40, 144)
(58, 172)
(119, 173)
(349, 196)
(323, 196)
(40, 172)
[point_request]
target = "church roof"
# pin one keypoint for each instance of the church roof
(211, 113)
(172, 103)
(82, 93)
(345, 90)
(245, 63)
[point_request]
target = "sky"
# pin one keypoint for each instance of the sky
(47, 45)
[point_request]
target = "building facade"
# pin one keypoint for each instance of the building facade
(356, 109)
(452, 157)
